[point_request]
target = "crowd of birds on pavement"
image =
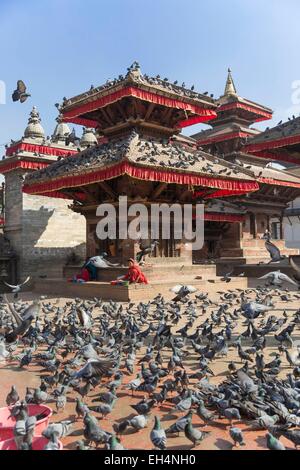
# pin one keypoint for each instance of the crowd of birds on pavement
(90, 346)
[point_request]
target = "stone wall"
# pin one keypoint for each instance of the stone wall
(43, 231)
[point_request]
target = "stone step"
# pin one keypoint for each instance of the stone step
(133, 292)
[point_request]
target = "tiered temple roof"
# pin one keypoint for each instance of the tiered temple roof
(35, 150)
(140, 118)
(145, 159)
(280, 143)
(138, 100)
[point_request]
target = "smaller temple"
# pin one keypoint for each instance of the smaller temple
(233, 137)
(38, 228)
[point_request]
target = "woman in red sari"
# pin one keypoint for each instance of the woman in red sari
(134, 275)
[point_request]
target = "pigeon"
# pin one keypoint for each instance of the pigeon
(138, 422)
(81, 408)
(72, 138)
(144, 407)
(114, 444)
(277, 278)
(179, 425)
(23, 322)
(53, 443)
(274, 252)
(94, 368)
(236, 435)
(182, 291)
(296, 269)
(93, 433)
(61, 429)
(193, 435)
(158, 436)
(20, 93)
(273, 443)
(146, 249)
(12, 397)
(292, 435)
(16, 289)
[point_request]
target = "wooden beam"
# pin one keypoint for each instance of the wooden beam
(149, 110)
(107, 189)
(90, 196)
(121, 110)
(158, 190)
(110, 113)
(106, 116)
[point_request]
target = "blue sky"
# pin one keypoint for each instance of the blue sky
(61, 47)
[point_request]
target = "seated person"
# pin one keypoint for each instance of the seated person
(134, 275)
(88, 273)
(84, 276)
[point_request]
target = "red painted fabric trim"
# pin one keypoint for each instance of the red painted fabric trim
(222, 138)
(83, 122)
(278, 157)
(225, 193)
(43, 149)
(217, 217)
(192, 121)
(5, 168)
(272, 144)
(232, 186)
(272, 181)
(252, 109)
(141, 94)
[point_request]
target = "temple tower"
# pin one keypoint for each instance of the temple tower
(43, 232)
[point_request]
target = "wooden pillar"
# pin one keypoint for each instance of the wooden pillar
(281, 228)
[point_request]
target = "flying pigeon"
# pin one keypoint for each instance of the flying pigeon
(277, 278)
(20, 93)
(16, 289)
(274, 252)
(94, 368)
(146, 250)
(182, 291)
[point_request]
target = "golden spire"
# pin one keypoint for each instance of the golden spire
(230, 87)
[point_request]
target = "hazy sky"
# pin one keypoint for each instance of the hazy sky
(61, 47)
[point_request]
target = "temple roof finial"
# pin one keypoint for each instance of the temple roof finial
(134, 71)
(34, 128)
(230, 87)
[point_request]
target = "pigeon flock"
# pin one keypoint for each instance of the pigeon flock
(202, 370)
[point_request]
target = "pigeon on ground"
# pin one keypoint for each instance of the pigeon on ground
(193, 435)
(236, 435)
(158, 436)
(273, 443)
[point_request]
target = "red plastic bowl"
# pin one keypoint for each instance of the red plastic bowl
(38, 443)
(7, 424)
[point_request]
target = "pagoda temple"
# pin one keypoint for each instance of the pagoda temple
(233, 138)
(138, 150)
(142, 154)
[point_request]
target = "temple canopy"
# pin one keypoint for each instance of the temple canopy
(143, 159)
(138, 100)
(280, 143)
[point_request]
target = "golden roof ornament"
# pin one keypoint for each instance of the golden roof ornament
(230, 86)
